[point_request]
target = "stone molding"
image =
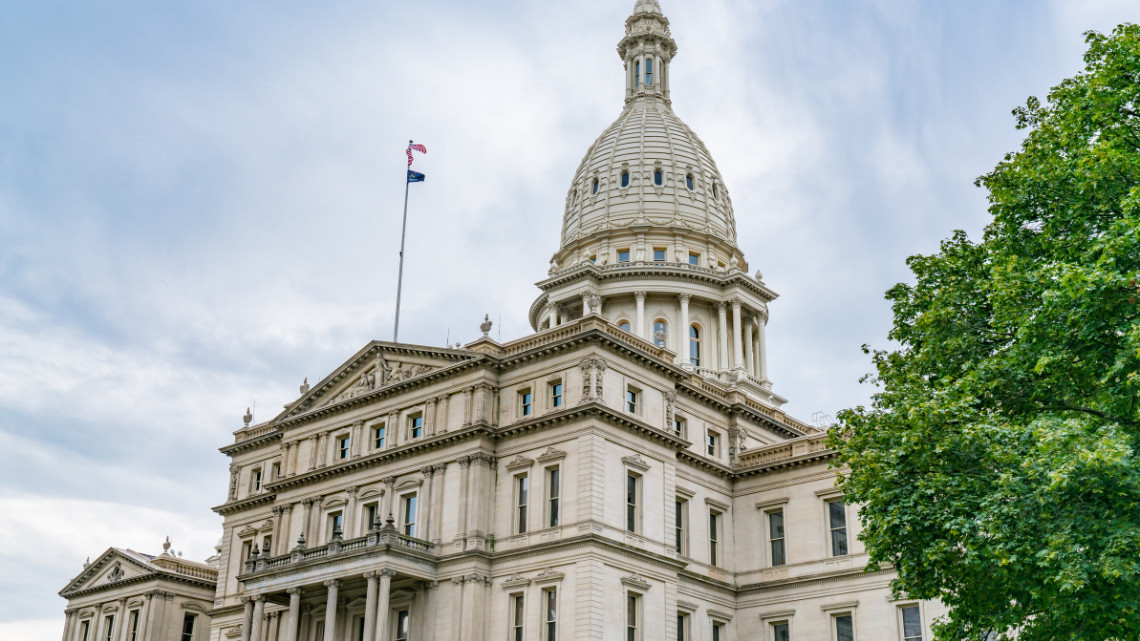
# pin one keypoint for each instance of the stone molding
(635, 581)
(636, 462)
(520, 462)
(551, 454)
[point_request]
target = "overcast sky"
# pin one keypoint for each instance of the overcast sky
(200, 206)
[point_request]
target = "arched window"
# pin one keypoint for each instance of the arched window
(715, 197)
(624, 326)
(625, 179)
(649, 72)
(637, 74)
(695, 346)
(660, 332)
(595, 185)
(658, 176)
(689, 182)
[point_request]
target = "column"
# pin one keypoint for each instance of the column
(68, 623)
(258, 614)
(464, 491)
(442, 408)
(749, 353)
(427, 508)
(246, 618)
(682, 330)
(272, 626)
(350, 513)
(382, 604)
(761, 348)
(314, 447)
(370, 605)
(737, 346)
(585, 304)
(389, 497)
(437, 504)
(307, 505)
(123, 620)
(467, 393)
(330, 609)
(292, 625)
(144, 616)
(639, 328)
(722, 338)
(429, 417)
(283, 541)
(552, 315)
(357, 439)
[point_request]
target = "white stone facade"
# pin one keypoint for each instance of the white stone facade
(618, 475)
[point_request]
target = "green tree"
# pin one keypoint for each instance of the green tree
(997, 466)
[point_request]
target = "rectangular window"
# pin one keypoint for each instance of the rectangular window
(837, 524)
(781, 632)
(717, 631)
(658, 255)
(187, 627)
(632, 611)
(133, 627)
(266, 544)
(553, 494)
(517, 617)
(360, 629)
(409, 512)
(109, 627)
(631, 502)
(336, 524)
(84, 630)
(682, 627)
(402, 625)
(275, 472)
(632, 400)
(371, 511)
(342, 445)
(694, 259)
(526, 404)
(714, 538)
(649, 72)
(911, 623)
(623, 255)
(522, 492)
(681, 525)
(255, 480)
(555, 395)
(246, 550)
(378, 435)
(320, 635)
(712, 443)
(776, 537)
(679, 426)
(416, 425)
(844, 627)
(550, 601)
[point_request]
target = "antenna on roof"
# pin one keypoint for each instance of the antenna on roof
(500, 338)
(821, 418)
(447, 341)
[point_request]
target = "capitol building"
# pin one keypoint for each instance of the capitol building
(623, 473)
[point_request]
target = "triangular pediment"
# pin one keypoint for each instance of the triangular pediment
(379, 365)
(113, 566)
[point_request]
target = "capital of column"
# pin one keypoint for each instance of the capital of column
(390, 481)
(332, 583)
(639, 295)
(439, 468)
(351, 490)
(721, 306)
(372, 575)
(464, 461)
(427, 471)
(388, 572)
(684, 298)
(291, 591)
(254, 598)
(735, 304)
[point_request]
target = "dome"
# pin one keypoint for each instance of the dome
(647, 169)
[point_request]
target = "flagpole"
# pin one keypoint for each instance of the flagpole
(400, 279)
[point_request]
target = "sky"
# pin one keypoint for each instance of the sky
(200, 207)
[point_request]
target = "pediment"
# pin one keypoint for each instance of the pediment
(377, 366)
(112, 567)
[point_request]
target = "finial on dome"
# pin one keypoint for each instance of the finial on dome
(650, 6)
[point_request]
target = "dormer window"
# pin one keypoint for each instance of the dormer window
(625, 179)
(689, 182)
(649, 72)
(658, 177)
(595, 185)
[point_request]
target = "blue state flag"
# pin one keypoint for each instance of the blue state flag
(415, 176)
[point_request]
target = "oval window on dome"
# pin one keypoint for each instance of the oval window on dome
(625, 179)
(689, 182)
(658, 177)
(595, 185)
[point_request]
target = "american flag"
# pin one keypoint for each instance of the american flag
(411, 148)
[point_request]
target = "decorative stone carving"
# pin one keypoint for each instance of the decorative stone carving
(304, 386)
(519, 463)
(635, 581)
(248, 417)
(551, 454)
(515, 581)
(116, 573)
(548, 576)
(636, 462)
(234, 470)
(485, 326)
(670, 409)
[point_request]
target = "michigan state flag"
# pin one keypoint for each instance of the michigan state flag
(415, 176)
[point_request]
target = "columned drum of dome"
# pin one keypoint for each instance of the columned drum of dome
(648, 222)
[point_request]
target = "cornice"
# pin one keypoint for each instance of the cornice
(154, 575)
(253, 443)
(708, 465)
(650, 269)
(776, 466)
(597, 410)
(244, 504)
(816, 579)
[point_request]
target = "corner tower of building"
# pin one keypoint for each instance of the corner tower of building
(649, 235)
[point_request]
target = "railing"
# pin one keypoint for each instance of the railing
(794, 448)
(385, 536)
(181, 567)
(579, 326)
(779, 415)
(247, 433)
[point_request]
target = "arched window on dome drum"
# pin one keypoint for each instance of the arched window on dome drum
(637, 74)
(595, 185)
(695, 346)
(649, 72)
(625, 179)
(660, 332)
(689, 182)
(658, 177)
(624, 326)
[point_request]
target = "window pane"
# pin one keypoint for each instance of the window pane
(623, 256)
(657, 177)
(680, 627)
(836, 514)
(780, 632)
(716, 632)
(912, 624)
(689, 184)
(838, 542)
(659, 254)
(778, 557)
(844, 629)
(776, 525)
(625, 179)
